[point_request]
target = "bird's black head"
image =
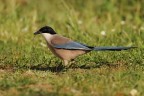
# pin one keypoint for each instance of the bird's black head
(45, 29)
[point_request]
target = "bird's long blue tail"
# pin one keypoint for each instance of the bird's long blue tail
(112, 48)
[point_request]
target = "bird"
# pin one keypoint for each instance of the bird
(66, 49)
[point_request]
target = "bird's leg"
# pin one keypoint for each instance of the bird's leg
(60, 65)
(68, 64)
(65, 63)
(72, 63)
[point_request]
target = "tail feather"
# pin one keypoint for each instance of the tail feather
(119, 48)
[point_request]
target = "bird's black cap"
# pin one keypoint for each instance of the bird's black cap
(45, 29)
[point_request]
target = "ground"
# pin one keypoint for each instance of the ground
(28, 68)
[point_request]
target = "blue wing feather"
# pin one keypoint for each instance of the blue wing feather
(72, 46)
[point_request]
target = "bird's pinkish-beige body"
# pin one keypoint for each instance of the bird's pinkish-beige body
(65, 55)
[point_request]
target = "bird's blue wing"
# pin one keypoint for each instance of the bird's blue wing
(72, 46)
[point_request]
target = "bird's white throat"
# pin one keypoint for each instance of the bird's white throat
(47, 36)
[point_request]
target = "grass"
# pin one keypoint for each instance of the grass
(27, 67)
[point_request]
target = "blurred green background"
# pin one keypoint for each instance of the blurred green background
(25, 59)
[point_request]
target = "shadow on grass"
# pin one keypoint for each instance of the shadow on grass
(52, 69)
(99, 65)
(62, 68)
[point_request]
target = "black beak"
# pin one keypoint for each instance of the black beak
(36, 33)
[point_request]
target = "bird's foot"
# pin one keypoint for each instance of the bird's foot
(65, 69)
(71, 64)
(62, 68)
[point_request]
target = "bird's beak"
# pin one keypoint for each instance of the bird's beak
(37, 32)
